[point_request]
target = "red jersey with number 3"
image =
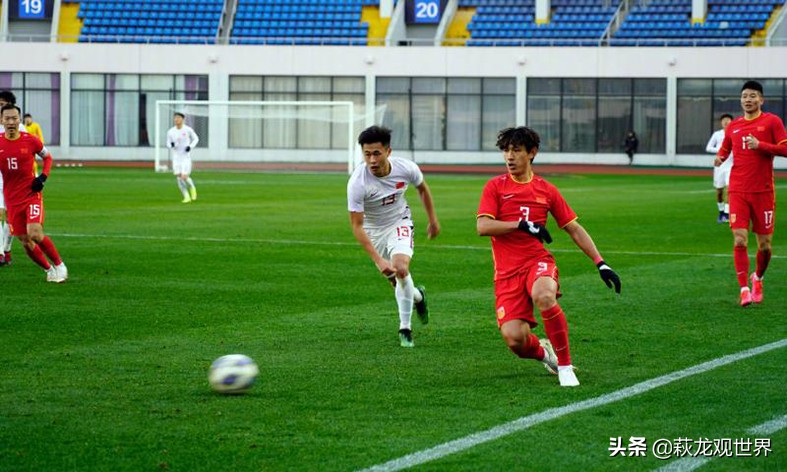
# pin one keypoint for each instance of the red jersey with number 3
(752, 169)
(504, 199)
(17, 164)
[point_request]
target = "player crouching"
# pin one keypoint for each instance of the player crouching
(22, 190)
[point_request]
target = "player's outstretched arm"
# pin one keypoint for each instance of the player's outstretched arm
(356, 222)
(583, 240)
(426, 198)
(487, 226)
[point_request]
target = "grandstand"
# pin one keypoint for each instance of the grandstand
(465, 22)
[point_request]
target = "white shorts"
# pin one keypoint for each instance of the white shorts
(393, 240)
(181, 164)
(721, 177)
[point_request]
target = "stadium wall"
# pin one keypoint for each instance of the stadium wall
(220, 62)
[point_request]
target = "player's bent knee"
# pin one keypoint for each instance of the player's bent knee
(514, 334)
(545, 300)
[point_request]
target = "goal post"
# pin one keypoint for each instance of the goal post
(245, 133)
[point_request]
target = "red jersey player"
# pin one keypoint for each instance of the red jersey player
(513, 211)
(22, 190)
(755, 138)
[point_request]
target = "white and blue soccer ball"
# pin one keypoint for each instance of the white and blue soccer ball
(232, 374)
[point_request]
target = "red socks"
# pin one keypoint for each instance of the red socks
(533, 350)
(557, 330)
(763, 258)
(38, 256)
(48, 247)
(741, 257)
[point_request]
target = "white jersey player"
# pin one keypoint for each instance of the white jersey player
(5, 229)
(181, 139)
(382, 223)
(721, 174)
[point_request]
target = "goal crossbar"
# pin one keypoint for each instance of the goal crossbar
(222, 121)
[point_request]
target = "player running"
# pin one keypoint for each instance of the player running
(181, 138)
(755, 138)
(721, 174)
(23, 193)
(382, 223)
(513, 211)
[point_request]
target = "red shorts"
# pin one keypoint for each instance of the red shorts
(755, 208)
(19, 216)
(512, 294)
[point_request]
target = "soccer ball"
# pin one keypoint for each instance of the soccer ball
(232, 374)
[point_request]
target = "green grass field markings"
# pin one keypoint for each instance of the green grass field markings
(687, 464)
(525, 422)
(354, 244)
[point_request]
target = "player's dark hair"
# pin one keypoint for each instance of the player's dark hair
(27, 115)
(375, 134)
(8, 96)
(752, 85)
(725, 115)
(520, 136)
(177, 113)
(10, 106)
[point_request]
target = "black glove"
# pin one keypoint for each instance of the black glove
(188, 148)
(535, 229)
(38, 183)
(172, 145)
(608, 275)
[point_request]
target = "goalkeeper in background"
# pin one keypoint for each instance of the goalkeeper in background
(181, 139)
(513, 211)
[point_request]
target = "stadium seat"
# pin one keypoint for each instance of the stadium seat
(156, 21)
(573, 23)
(728, 23)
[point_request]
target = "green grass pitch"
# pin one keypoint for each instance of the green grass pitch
(108, 372)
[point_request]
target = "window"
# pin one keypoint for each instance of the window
(39, 95)
(594, 115)
(455, 114)
(702, 101)
(119, 109)
(312, 128)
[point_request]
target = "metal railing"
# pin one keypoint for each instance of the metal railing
(356, 41)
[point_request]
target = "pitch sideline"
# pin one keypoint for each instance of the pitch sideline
(525, 422)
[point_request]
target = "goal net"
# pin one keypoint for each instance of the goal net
(262, 134)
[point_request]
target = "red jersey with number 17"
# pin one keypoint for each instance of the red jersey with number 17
(752, 169)
(17, 165)
(505, 199)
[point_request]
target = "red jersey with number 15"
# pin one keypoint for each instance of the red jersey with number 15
(752, 169)
(504, 199)
(17, 165)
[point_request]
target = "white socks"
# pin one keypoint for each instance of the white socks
(5, 237)
(190, 183)
(184, 189)
(405, 291)
(727, 208)
(720, 206)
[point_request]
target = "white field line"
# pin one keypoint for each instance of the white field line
(688, 464)
(353, 244)
(525, 422)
